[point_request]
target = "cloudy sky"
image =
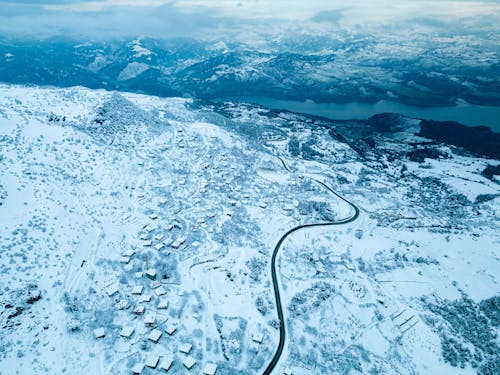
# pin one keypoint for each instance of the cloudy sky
(215, 19)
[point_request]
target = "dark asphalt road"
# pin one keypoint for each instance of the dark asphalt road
(277, 355)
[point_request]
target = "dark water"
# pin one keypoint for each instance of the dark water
(467, 114)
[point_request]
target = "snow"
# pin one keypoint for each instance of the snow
(99, 333)
(152, 361)
(127, 331)
(138, 368)
(210, 369)
(132, 70)
(77, 196)
(154, 335)
(166, 362)
(189, 362)
(185, 348)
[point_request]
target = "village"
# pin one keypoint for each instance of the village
(142, 243)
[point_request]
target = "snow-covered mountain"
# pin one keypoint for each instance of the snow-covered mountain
(137, 234)
(425, 70)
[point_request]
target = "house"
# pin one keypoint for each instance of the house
(137, 289)
(147, 243)
(258, 337)
(125, 260)
(154, 335)
(152, 361)
(171, 328)
(155, 284)
(159, 246)
(139, 310)
(111, 290)
(287, 371)
(99, 333)
(137, 369)
(160, 291)
(151, 274)
(151, 227)
(127, 332)
(185, 348)
(163, 304)
(153, 216)
(189, 362)
(128, 253)
(209, 369)
(149, 319)
(166, 362)
(145, 298)
(178, 242)
(122, 304)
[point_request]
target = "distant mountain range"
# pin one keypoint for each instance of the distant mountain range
(323, 70)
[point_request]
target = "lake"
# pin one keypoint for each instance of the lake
(466, 114)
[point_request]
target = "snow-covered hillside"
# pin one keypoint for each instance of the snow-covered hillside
(137, 232)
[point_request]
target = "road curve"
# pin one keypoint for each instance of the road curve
(279, 307)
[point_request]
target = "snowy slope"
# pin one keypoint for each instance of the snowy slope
(111, 202)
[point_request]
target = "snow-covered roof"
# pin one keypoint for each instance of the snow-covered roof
(127, 331)
(149, 319)
(209, 369)
(171, 328)
(258, 337)
(137, 289)
(137, 368)
(154, 335)
(166, 362)
(99, 332)
(189, 362)
(152, 361)
(185, 348)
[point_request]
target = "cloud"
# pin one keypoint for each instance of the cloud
(252, 20)
(329, 16)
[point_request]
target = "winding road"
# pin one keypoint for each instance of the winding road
(279, 307)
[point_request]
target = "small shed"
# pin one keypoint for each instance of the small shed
(258, 337)
(151, 274)
(154, 335)
(189, 362)
(99, 333)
